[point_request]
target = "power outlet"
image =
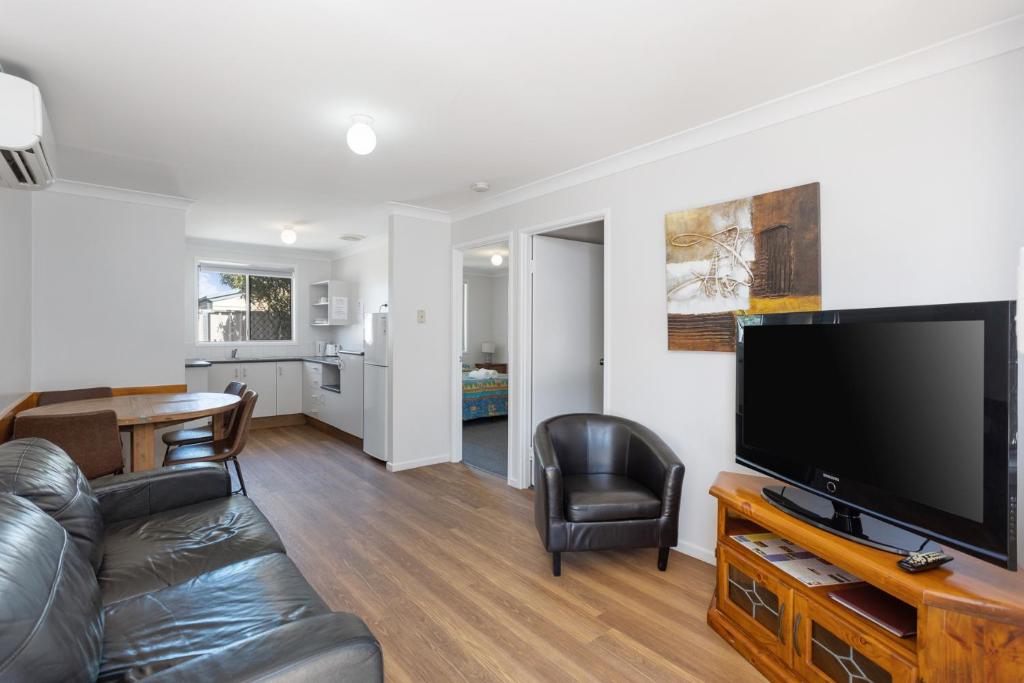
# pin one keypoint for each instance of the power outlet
(421, 316)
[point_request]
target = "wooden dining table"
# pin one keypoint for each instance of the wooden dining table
(141, 414)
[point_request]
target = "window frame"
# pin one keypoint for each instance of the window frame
(286, 270)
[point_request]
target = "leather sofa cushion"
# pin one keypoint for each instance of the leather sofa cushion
(51, 626)
(42, 473)
(174, 546)
(607, 498)
(156, 631)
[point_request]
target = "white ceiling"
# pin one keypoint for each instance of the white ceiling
(243, 105)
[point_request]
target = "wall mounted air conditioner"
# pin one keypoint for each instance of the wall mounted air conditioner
(26, 143)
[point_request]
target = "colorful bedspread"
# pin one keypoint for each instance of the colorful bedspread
(484, 397)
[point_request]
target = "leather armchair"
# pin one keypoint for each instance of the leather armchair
(604, 482)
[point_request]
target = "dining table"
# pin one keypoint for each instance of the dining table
(142, 414)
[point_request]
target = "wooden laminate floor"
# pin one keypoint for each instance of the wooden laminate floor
(445, 566)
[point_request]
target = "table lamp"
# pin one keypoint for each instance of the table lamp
(488, 348)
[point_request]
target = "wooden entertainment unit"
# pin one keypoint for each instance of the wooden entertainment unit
(970, 614)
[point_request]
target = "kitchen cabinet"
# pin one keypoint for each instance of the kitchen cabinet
(350, 371)
(261, 378)
(332, 302)
(311, 381)
(279, 385)
(289, 388)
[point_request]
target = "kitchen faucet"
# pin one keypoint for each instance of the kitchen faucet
(234, 353)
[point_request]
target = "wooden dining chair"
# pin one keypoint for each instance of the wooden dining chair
(46, 398)
(187, 437)
(92, 440)
(221, 450)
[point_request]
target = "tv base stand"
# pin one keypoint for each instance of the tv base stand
(846, 522)
(970, 615)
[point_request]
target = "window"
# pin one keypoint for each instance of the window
(244, 304)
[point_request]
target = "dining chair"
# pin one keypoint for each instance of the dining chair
(221, 450)
(187, 437)
(92, 440)
(46, 398)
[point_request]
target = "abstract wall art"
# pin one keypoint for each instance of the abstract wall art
(759, 254)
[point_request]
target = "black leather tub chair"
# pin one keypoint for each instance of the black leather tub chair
(604, 482)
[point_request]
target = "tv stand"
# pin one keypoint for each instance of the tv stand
(846, 521)
(970, 614)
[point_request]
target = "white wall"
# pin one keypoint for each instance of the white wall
(420, 278)
(309, 267)
(106, 292)
(920, 189)
(488, 316)
(15, 292)
(368, 270)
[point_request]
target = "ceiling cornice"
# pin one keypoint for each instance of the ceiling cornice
(959, 51)
(259, 249)
(414, 211)
(82, 189)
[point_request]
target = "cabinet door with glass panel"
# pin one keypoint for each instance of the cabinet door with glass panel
(238, 304)
(755, 600)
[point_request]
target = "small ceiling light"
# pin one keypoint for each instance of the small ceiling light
(497, 260)
(352, 237)
(480, 186)
(288, 235)
(360, 137)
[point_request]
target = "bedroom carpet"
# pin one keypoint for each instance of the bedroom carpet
(485, 444)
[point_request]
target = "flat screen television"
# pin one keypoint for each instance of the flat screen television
(907, 415)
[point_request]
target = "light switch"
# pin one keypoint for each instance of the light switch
(421, 316)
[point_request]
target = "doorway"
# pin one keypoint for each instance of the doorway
(567, 321)
(484, 393)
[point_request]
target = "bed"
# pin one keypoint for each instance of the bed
(484, 397)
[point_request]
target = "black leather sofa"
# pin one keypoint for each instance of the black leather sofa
(156, 576)
(604, 482)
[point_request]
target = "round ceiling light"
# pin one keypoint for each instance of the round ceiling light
(288, 235)
(497, 260)
(360, 137)
(481, 186)
(352, 237)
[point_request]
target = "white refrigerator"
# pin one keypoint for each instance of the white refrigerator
(375, 386)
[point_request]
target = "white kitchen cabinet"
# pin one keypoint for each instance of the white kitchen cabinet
(311, 380)
(261, 378)
(222, 374)
(333, 302)
(289, 388)
(351, 384)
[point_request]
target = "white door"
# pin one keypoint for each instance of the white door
(568, 328)
(262, 378)
(289, 388)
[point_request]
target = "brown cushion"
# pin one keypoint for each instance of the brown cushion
(607, 498)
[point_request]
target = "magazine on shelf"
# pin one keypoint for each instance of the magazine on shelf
(802, 565)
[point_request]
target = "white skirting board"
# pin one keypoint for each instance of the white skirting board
(419, 462)
(702, 554)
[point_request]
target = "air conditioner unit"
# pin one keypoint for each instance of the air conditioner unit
(26, 143)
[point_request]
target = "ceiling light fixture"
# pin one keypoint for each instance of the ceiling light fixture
(496, 260)
(288, 235)
(352, 237)
(360, 137)
(480, 186)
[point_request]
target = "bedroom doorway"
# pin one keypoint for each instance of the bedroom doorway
(484, 321)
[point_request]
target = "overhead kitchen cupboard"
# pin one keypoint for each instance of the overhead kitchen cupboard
(333, 302)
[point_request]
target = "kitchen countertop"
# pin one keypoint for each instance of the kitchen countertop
(327, 360)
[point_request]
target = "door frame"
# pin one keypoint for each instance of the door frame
(524, 313)
(514, 477)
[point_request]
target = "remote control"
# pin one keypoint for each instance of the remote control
(919, 562)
